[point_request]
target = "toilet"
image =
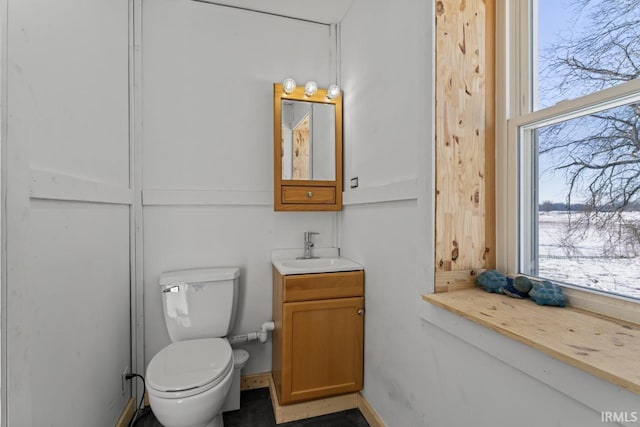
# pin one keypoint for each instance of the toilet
(188, 382)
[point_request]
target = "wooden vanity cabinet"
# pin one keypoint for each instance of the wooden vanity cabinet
(318, 340)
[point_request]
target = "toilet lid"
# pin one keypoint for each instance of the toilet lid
(185, 365)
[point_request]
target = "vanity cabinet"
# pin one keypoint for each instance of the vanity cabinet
(318, 339)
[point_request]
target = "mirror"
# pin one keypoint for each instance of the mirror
(308, 140)
(307, 150)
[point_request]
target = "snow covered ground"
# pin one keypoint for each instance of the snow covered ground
(581, 260)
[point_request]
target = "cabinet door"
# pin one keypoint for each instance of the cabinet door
(323, 348)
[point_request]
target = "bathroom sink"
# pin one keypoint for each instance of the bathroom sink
(315, 265)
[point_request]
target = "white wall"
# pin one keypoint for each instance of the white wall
(416, 373)
(66, 159)
(207, 124)
(384, 90)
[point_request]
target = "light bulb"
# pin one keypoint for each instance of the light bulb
(333, 91)
(288, 85)
(310, 88)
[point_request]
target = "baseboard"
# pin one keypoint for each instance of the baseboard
(368, 413)
(253, 381)
(127, 414)
(314, 408)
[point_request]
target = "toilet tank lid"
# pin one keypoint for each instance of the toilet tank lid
(198, 275)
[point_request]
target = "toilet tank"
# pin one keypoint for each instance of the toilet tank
(199, 303)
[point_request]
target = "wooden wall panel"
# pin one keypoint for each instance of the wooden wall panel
(465, 211)
(301, 149)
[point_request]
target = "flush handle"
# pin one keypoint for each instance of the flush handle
(175, 288)
(361, 312)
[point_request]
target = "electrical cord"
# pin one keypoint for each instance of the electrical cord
(140, 407)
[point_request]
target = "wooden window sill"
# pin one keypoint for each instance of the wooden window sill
(605, 347)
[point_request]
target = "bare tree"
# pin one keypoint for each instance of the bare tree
(605, 52)
(599, 153)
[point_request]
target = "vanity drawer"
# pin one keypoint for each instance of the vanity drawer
(300, 194)
(306, 287)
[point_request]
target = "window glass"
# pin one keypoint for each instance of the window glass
(582, 46)
(580, 200)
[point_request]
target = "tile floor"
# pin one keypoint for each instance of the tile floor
(256, 411)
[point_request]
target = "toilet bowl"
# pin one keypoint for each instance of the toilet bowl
(188, 382)
(240, 359)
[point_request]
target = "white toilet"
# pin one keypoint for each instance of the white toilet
(188, 381)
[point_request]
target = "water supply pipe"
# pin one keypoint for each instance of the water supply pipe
(260, 335)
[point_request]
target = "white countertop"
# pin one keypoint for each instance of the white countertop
(326, 260)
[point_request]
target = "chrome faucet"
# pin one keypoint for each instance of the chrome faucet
(308, 243)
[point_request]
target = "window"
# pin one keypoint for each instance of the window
(574, 143)
(580, 47)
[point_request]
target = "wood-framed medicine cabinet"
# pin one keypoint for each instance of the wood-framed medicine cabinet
(307, 150)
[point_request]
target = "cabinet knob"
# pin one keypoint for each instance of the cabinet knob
(361, 312)
(309, 194)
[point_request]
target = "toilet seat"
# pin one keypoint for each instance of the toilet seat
(187, 368)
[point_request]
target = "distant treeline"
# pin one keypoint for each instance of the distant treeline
(548, 206)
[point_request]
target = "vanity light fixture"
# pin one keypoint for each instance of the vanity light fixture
(310, 88)
(333, 91)
(288, 85)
